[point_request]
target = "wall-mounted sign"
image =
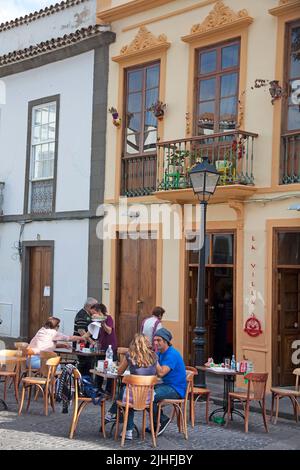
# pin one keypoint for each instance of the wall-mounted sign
(47, 291)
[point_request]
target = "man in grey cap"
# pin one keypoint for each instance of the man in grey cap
(171, 369)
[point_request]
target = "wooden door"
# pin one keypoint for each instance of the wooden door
(289, 321)
(40, 287)
(136, 286)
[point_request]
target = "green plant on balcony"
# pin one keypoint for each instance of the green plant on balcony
(177, 165)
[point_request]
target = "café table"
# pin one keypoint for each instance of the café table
(67, 353)
(229, 377)
(4, 360)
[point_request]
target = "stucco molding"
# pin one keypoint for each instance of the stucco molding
(127, 9)
(220, 18)
(285, 6)
(239, 208)
(143, 42)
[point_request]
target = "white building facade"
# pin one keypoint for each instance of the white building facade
(53, 72)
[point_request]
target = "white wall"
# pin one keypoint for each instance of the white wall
(70, 272)
(52, 26)
(72, 79)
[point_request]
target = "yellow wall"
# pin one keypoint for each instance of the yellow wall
(259, 55)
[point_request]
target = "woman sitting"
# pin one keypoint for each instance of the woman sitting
(46, 338)
(141, 360)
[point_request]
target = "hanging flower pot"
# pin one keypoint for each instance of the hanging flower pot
(158, 109)
(115, 115)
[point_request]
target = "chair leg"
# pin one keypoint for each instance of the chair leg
(117, 423)
(29, 397)
(207, 408)
(264, 415)
(5, 385)
(16, 388)
(74, 419)
(22, 400)
(184, 419)
(272, 406)
(103, 418)
(124, 426)
(144, 425)
(158, 418)
(152, 426)
(247, 416)
(277, 409)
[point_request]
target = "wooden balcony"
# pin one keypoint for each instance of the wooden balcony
(290, 159)
(232, 153)
(139, 175)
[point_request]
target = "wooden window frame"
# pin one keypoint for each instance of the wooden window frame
(287, 69)
(218, 73)
(142, 152)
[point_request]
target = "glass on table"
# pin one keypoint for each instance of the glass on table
(227, 362)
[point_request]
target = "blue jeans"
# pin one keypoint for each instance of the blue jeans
(35, 362)
(113, 409)
(162, 392)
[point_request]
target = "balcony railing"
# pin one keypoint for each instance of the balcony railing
(138, 175)
(290, 161)
(231, 152)
(1, 197)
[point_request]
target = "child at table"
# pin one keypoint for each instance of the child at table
(141, 360)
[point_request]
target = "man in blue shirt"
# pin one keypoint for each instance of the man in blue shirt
(171, 369)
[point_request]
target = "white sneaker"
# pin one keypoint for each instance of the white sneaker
(110, 417)
(128, 435)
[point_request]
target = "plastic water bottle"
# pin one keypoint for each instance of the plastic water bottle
(233, 363)
(109, 356)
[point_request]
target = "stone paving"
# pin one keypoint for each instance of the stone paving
(33, 430)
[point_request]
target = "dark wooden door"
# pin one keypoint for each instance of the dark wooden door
(289, 321)
(209, 290)
(40, 287)
(136, 286)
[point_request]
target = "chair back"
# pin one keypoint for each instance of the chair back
(190, 374)
(29, 353)
(9, 366)
(139, 390)
(297, 374)
(52, 364)
(257, 385)
(44, 356)
(76, 377)
(121, 353)
(21, 345)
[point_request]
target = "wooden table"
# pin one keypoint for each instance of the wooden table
(229, 380)
(8, 360)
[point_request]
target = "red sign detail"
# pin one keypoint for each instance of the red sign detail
(253, 326)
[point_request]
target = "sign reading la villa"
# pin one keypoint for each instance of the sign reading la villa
(252, 324)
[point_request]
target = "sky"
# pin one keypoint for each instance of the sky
(11, 9)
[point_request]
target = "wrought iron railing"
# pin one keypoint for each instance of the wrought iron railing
(1, 197)
(231, 152)
(138, 175)
(290, 159)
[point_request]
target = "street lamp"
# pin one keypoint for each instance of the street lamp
(204, 179)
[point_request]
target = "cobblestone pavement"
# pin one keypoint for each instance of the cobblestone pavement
(33, 430)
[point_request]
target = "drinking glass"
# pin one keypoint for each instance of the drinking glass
(227, 363)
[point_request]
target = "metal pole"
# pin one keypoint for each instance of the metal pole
(200, 330)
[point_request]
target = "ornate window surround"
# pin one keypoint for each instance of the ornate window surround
(287, 11)
(222, 24)
(145, 48)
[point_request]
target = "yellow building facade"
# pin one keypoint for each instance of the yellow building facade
(202, 78)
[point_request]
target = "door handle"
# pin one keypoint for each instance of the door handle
(295, 325)
(211, 307)
(139, 302)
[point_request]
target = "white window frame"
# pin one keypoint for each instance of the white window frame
(32, 178)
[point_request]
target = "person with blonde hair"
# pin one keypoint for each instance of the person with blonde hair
(141, 360)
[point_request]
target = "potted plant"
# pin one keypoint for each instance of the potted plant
(158, 109)
(115, 115)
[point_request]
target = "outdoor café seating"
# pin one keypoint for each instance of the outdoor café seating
(44, 384)
(80, 403)
(195, 394)
(292, 393)
(256, 390)
(139, 397)
(179, 407)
